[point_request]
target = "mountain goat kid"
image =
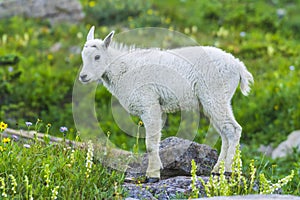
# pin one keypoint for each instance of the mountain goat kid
(150, 82)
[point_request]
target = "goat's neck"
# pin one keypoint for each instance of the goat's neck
(108, 78)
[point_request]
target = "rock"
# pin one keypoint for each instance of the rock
(286, 147)
(266, 150)
(56, 47)
(172, 188)
(54, 10)
(255, 197)
(176, 155)
(179, 188)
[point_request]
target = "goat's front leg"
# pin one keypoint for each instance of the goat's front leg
(153, 122)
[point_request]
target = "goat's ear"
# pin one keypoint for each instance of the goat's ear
(90, 35)
(108, 39)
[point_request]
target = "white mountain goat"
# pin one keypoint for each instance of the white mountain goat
(150, 82)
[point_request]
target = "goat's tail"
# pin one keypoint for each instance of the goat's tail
(246, 79)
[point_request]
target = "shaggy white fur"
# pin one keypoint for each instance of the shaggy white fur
(150, 82)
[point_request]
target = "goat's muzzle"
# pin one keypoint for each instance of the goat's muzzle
(83, 78)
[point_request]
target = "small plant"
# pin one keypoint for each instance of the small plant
(107, 147)
(3, 187)
(54, 193)
(47, 174)
(195, 191)
(46, 136)
(28, 187)
(267, 187)
(237, 183)
(89, 159)
(14, 184)
(37, 127)
(136, 145)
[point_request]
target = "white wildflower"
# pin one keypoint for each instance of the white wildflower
(54, 193)
(13, 183)
(89, 159)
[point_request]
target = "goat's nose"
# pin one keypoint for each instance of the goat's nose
(83, 76)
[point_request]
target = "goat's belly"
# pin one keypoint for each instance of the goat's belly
(171, 107)
(176, 102)
(169, 99)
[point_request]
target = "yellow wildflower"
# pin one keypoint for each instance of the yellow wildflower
(6, 140)
(168, 20)
(50, 57)
(140, 123)
(3, 126)
(149, 11)
(92, 4)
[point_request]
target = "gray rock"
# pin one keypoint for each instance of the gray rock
(129, 198)
(179, 188)
(54, 10)
(172, 188)
(267, 150)
(255, 197)
(55, 47)
(286, 147)
(176, 155)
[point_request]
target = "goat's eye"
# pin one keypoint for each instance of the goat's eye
(97, 57)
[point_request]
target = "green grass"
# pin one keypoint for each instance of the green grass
(275, 169)
(37, 170)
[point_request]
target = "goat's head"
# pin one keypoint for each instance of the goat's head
(95, 57)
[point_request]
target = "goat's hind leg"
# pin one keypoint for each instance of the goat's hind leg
(222, 118)
(230, 132)
(223, 153)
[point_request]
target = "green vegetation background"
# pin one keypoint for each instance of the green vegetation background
(263, 34)
(40, 84)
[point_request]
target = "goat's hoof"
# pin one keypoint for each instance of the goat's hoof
(141, 180)
(218, 174)
(151, 180)
(215, 174)
(130, 180)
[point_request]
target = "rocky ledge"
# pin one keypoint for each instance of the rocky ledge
(179, 188)
(176, 155)
(171, 188)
